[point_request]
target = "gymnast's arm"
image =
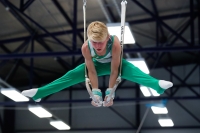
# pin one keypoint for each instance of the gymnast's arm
(90, 65)
(116, 51)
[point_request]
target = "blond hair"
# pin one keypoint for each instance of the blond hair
(97, 31)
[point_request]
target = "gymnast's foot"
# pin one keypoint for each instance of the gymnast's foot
(165, 84)
(31, 93)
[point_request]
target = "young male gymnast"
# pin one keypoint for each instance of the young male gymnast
(102, 57)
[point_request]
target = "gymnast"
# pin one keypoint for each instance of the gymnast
(102, 53)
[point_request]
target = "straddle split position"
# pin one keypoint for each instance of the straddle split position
(102, 53)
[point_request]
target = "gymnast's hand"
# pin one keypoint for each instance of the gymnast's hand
(97, 102)
(110, 102)
(107, 104)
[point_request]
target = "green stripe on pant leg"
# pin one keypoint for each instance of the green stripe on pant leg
(72, 77)
(134, 74)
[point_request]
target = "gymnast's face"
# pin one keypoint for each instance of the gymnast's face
(99, 46)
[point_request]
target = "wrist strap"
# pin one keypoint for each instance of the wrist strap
(97, 92)
(108, 91)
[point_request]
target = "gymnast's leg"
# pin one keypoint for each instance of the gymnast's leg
(134, 74)
(72, 77)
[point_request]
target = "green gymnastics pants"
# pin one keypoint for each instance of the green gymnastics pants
(77, 75)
